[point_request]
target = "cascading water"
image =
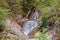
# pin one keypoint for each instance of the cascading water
(29, 26)
(31, 23)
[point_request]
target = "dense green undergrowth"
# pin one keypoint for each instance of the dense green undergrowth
(41, 36)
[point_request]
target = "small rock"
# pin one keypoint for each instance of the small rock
(15, 29)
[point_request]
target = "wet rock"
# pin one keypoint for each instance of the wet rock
(35, 15)
(21, 21)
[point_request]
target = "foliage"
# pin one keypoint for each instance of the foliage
(3, 13)
(27, 5)
(41, 36)
(3, 4)
(44, 3)
(15, 6)
(2, 27)
(44, 19)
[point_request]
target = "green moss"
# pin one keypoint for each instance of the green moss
(2, 26)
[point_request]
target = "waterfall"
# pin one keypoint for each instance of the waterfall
(31, 23)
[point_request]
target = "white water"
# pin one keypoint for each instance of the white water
(31, 24)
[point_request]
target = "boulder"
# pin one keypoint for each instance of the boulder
(15, 29)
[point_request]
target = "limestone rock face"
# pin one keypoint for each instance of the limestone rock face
(15, 29)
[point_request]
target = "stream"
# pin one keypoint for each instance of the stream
(31, 23)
